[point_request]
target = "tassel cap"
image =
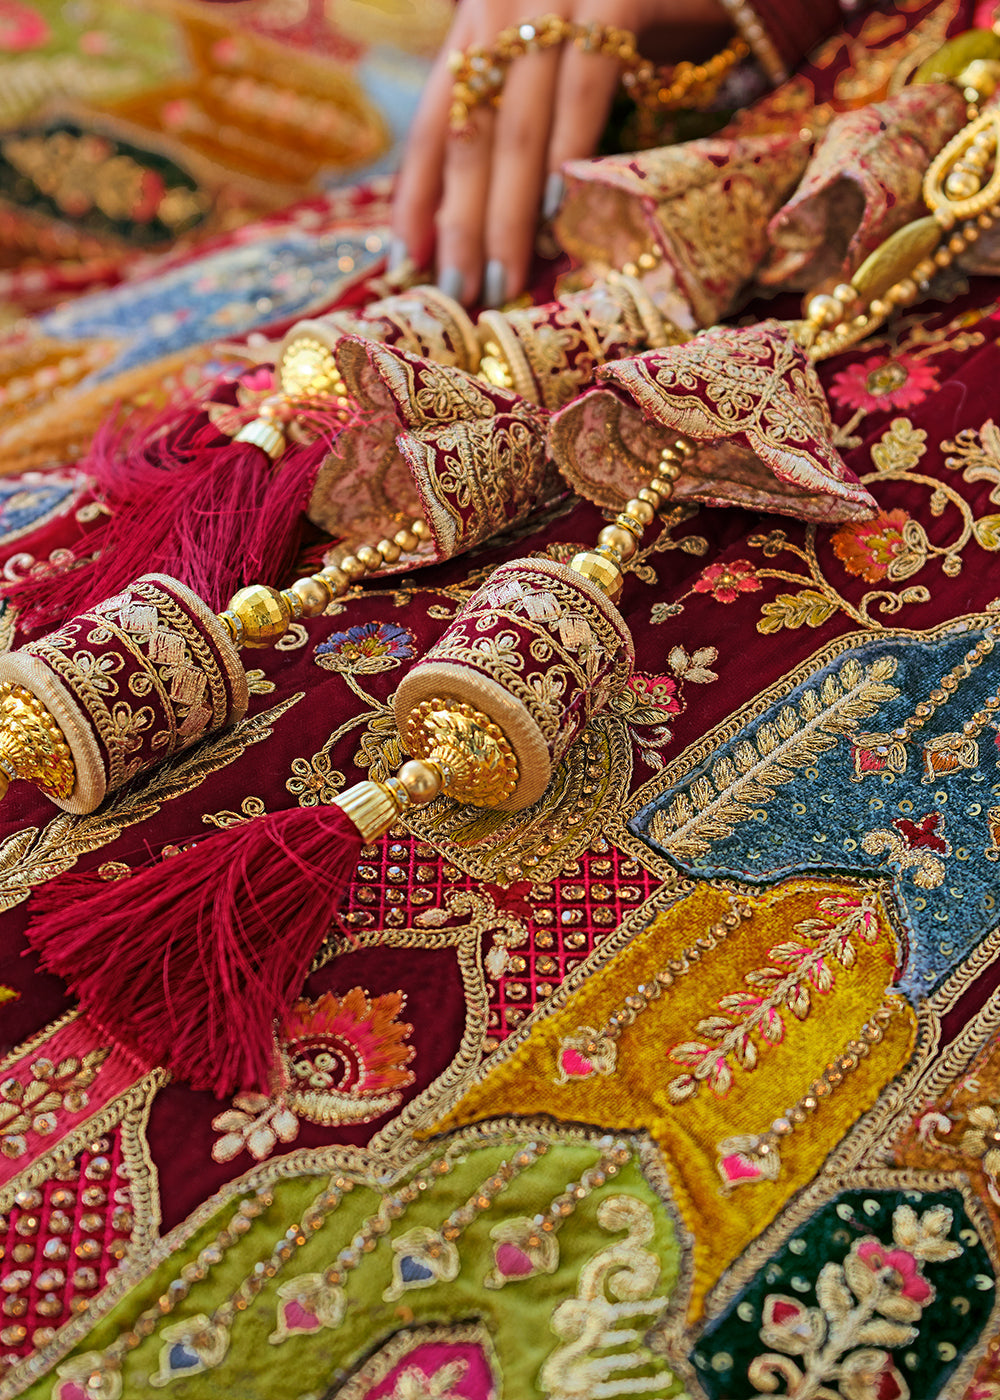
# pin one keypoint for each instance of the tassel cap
(266, 435)
(371, 807)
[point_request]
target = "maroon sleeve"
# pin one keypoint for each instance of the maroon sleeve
(781, 32)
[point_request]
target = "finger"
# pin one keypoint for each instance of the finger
(421, 176)
(520, 151)
(461, 218)
(587, 85)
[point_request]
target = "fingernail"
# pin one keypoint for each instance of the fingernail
(555, 189)
(494, 283)
(398, 255)
(450, 282)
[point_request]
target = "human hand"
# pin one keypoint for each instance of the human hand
(470, 203)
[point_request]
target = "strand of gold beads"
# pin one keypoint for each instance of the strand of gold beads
(618, 543)
(258, 615)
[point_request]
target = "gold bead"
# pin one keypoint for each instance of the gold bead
(924, 270)
(652, 495)
(845, 294)
(879, 308)
(421, 780)
(942, 257)
(640, 510)
(618, 539)
(314, 594)
(369, 557)
(337, 578)
(824, 310)
(971, 233)
(352, 566)
(600, 571)
(668, 469)
(421, 529)
(684, 446)
(957, 244)
(406, 540)
(263, 614)
(985, 221)
(961, 184)
(389, 550)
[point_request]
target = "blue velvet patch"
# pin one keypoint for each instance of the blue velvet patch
(819, 784)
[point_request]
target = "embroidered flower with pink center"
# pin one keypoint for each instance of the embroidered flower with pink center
(883, 382)
(726, 582)
(867, 548)
(21, 27)
(903, 1275)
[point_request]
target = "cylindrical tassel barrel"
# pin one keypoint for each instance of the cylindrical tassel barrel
(537, 651)
(423, 321)
(548, 354)
(132, 681)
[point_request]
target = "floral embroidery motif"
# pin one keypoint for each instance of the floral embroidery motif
(521, 1250)
(345, 1061)
(913, 846)
(869, 547)
(366, 649)
(314, 781)
(189, 1347)
(307, 1303)
(54, 1088)
(866, 1307)
(421, 1257)
(255, 1124)
(586, 1053)
(592, 1322)
(647, 702)
(884, 382)
(726, 582)
(347, 1056)
(754, 1018)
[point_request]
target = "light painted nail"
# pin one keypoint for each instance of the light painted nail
(555, 189)
(494, 283)
(398, 255)
(450, 282)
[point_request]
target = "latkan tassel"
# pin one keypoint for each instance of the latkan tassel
(193, 962)
(185, 501)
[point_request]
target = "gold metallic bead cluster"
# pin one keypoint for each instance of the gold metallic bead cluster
(691, 85)
(471, 752)
(32, 745)
(479, 72)
(618, 543)
(259, 615)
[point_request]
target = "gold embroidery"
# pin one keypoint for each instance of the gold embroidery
(726, 794)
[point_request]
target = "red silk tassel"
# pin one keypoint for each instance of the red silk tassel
(184, 501)
(193, 962)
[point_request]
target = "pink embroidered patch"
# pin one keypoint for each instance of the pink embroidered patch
(511, 1261)
(574, 1065)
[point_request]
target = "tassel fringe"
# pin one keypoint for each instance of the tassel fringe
(193, 963)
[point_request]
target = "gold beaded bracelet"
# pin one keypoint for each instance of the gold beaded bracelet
(480, 71)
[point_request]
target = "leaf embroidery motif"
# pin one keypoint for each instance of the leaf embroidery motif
(717, 801)
(786, 986)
